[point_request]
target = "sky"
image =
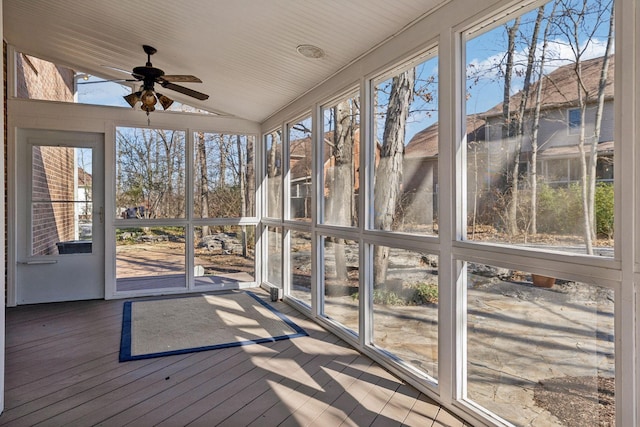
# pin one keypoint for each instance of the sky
(97, 91)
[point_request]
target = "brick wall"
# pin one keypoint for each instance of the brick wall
(53, 167)
(38, 79)
(53, 216)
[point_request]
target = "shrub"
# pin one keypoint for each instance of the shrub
(383, 297)
(425, 293)
(560, 209)
(604, 209)
(417, 294)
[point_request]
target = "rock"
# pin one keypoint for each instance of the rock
(152, 238)
(429, 260)
(226, 243)
(489, 271)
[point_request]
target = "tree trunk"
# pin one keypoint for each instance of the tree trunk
(243, 196)
(593, 157)
(582, 96)
(520, 119)
(535, 125)
(250, 179)
(273, 171)
(203, 184)
(223, 161)
(389, 170)
(588, 240)
(341, 188)
(512, 173)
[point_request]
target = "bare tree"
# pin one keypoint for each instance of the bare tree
(339, 203)
(274, 173)
(203, 179)
(149, 171)
(535, 122)
(242, 180)
(250, 177)
(520, 121)
(512, 226)
(593, 155)
(389, 171)
(580, 18)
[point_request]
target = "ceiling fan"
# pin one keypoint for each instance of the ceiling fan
(149, 76)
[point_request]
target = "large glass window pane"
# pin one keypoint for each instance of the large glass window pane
(340, 162)
(405, 309)
(539, 350)
(341, 281)
(61, 200)
(534, 99)
(300, 259)
(300, 162)
(224, 255)
(224, 175)
(150, 173)
(406, 151)
(273, 169)
(274, 256)
(150, 258)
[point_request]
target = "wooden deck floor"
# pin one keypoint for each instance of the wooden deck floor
(62, 369)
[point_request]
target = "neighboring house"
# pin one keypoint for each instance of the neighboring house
(83, 195)
(558, 138)
(420, 168)
(560, 123)
(300, 154)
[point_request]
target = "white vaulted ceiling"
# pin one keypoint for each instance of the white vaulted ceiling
(243, 50)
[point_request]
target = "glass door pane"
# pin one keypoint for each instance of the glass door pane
(61, 200)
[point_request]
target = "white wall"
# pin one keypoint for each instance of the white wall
(2, 233)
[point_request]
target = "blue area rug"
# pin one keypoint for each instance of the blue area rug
(187, 324)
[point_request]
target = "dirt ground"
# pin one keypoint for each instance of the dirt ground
(576, 403)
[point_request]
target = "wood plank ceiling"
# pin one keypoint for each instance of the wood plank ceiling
(243, 50)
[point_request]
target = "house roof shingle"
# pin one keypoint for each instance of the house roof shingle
(560, 86)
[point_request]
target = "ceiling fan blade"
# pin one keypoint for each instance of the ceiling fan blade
(107, 81)
(181, 78)
(117, 69)
(185, 90)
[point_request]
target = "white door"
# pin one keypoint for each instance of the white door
(60, 216)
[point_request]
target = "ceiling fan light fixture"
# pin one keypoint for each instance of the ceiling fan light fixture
(133, 98)
(148, 99)
(165, 101)
(147, 108)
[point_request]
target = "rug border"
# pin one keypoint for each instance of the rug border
(125, 336)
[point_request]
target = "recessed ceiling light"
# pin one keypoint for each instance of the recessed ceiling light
(310, 51)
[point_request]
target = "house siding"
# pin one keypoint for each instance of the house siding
(554, 129)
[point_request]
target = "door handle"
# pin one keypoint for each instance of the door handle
(39, 262)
